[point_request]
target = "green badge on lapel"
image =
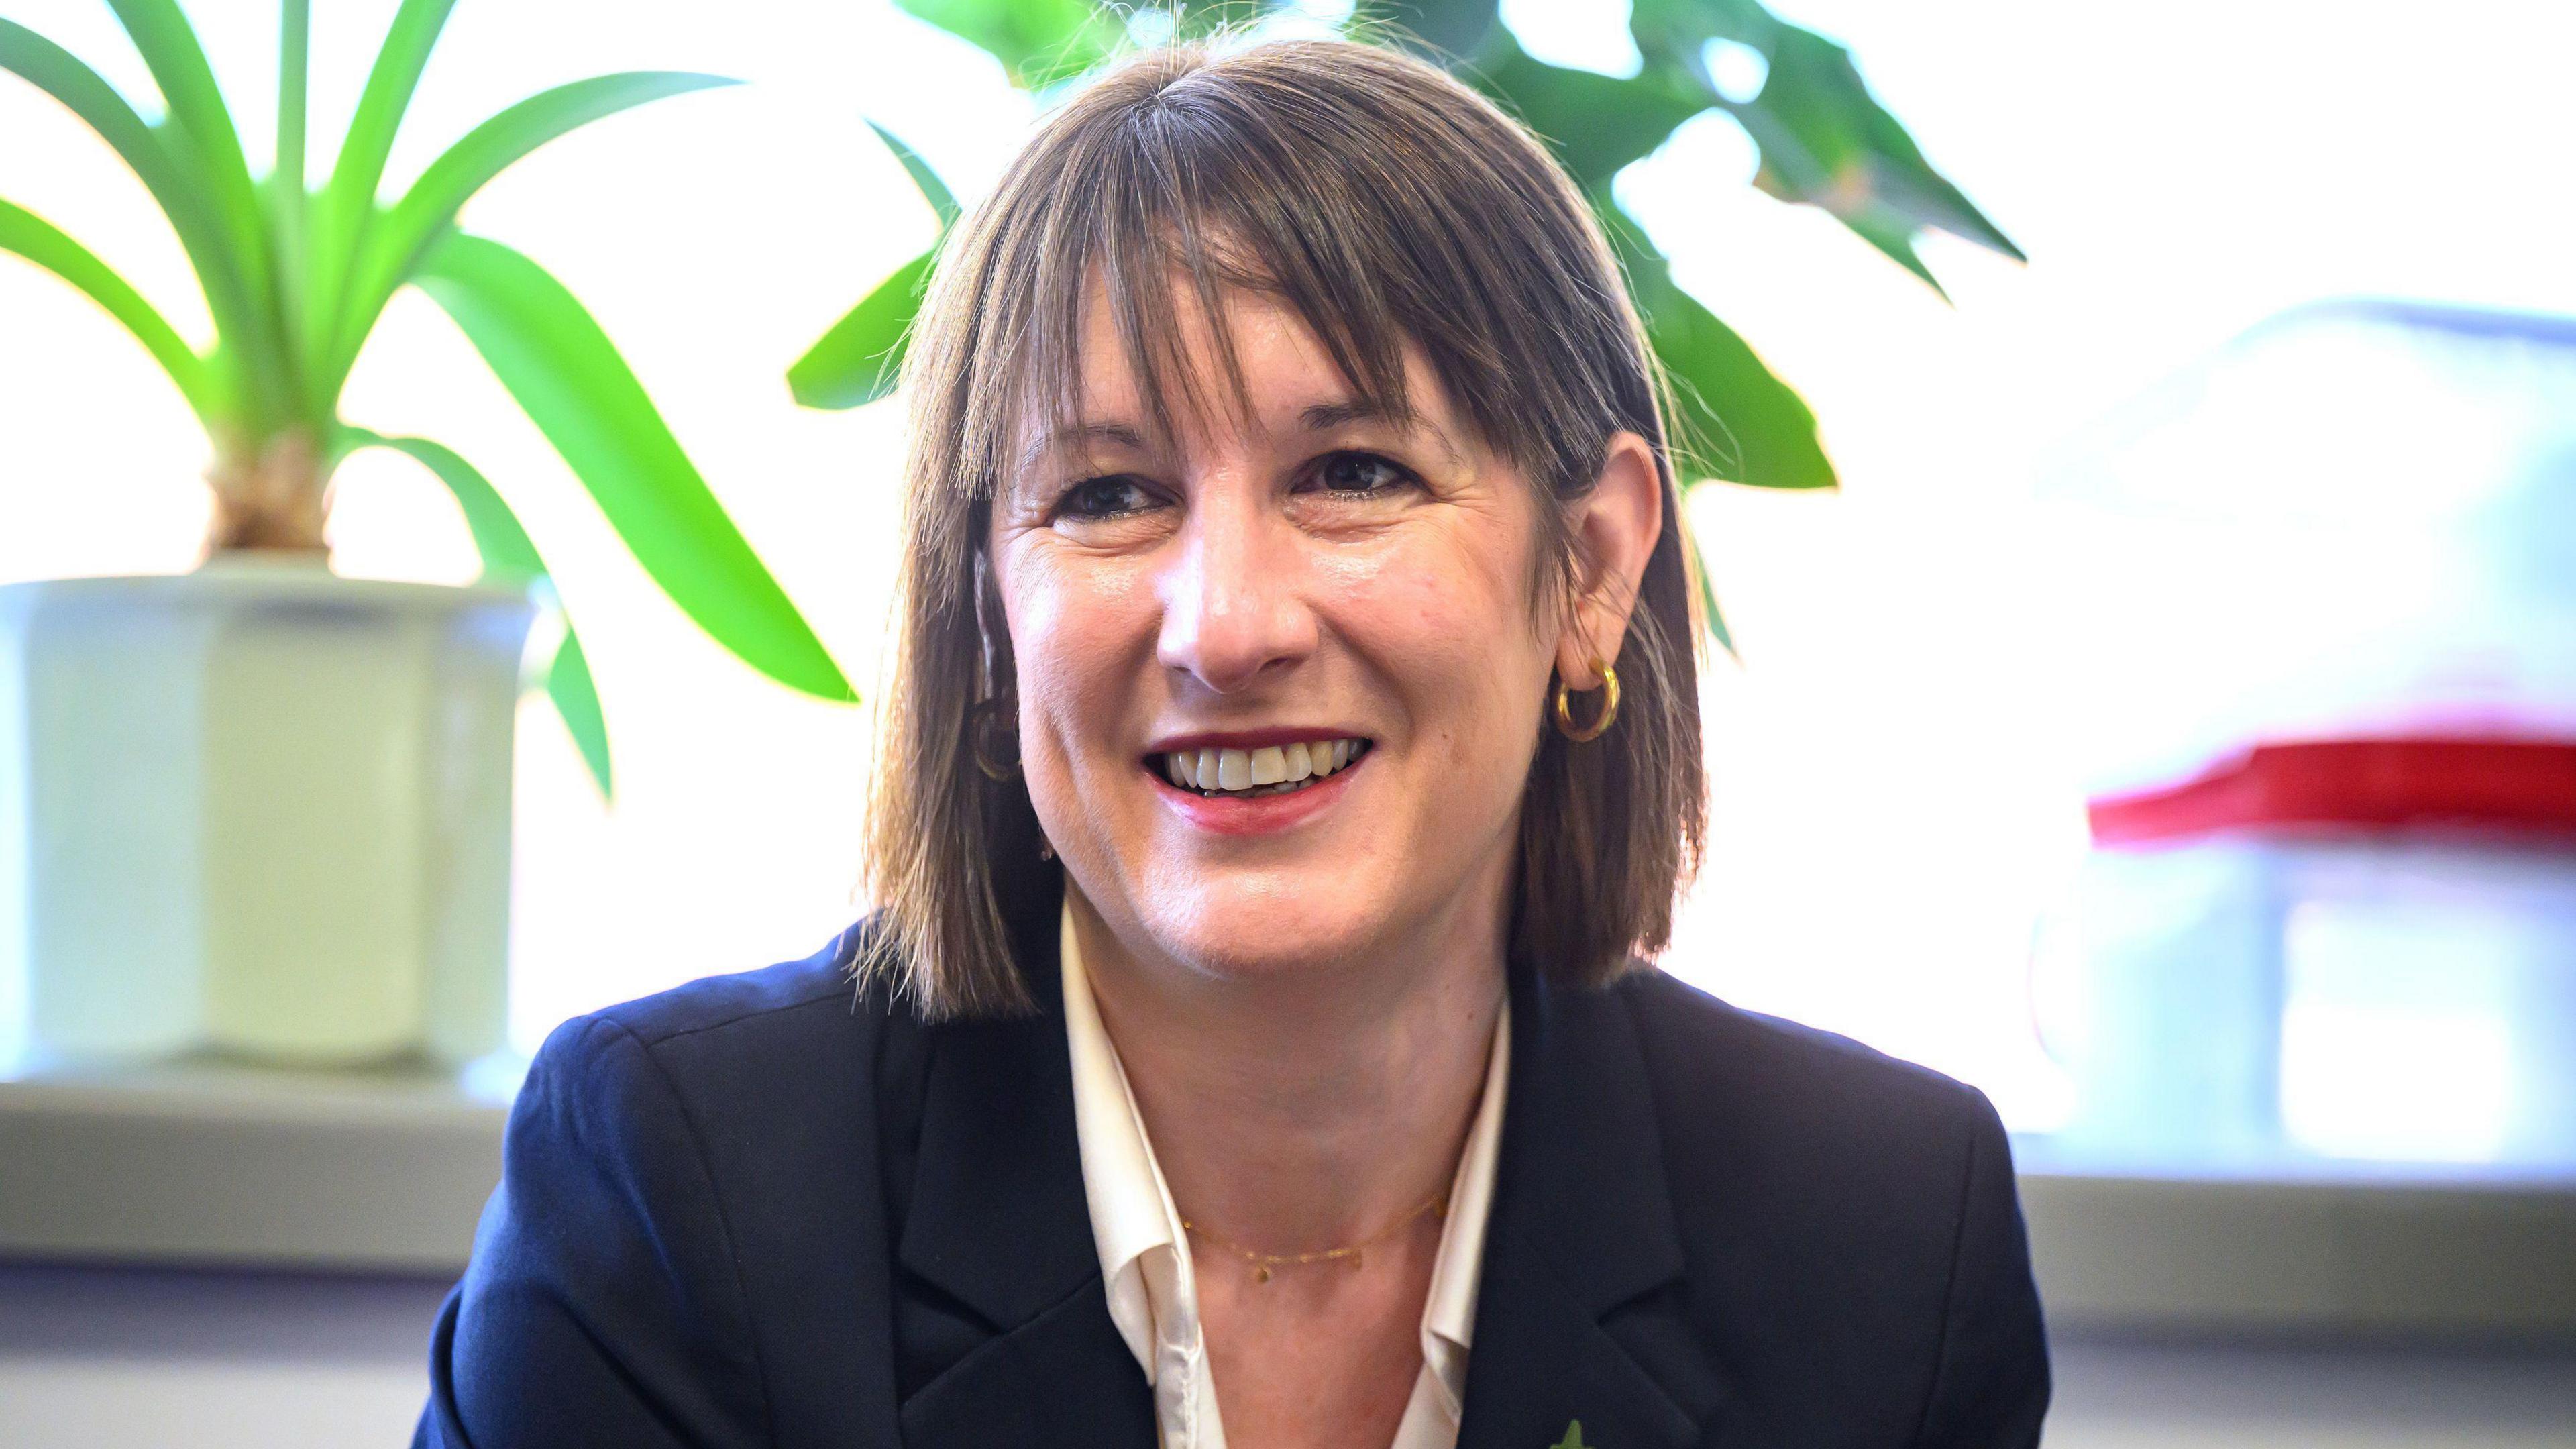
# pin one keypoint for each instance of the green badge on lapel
(1573, 1437)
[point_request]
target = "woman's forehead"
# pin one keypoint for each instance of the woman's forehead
(1253, 366)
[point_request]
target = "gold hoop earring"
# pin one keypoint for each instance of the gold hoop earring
(988, 725)
(1609, 705)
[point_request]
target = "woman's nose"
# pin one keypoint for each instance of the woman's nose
(1233, 603)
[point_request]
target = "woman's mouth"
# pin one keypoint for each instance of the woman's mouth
(1269, 770)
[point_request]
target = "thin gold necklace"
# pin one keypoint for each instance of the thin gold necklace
(1436, 1204)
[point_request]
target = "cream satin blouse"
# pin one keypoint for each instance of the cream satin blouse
(1145, 1256)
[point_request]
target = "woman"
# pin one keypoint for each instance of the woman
(1293, 744)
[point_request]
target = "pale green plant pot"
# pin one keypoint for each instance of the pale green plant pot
(258, 810)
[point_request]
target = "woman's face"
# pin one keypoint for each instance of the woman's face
(1321, 621)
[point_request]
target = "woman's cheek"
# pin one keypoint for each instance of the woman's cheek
(1447, 609)
(1068, 611)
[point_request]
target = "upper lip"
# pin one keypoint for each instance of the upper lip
(1246, 739)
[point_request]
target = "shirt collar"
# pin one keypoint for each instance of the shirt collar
(1131, 1207)
(1144, 1260)
(1449, 1311)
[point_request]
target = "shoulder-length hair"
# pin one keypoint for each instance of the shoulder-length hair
(1389, 205)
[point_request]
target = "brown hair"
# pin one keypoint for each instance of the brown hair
(1388, 204)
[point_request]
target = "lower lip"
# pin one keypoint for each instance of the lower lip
(1253, 814)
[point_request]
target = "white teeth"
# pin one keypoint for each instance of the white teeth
(1272, 769)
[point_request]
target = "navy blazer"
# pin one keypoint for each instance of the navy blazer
(771, 1210)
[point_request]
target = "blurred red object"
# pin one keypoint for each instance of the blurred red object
(2509, 785)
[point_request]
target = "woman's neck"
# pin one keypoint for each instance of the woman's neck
(1309, 1109)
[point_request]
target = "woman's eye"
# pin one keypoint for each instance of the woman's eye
(1360, 473)
(1105, 498)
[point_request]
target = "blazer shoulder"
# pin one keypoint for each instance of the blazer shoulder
(1809, 1134)
(793, 1052)
(690, 1199)
(1868, 1203)
(745, 998)
(1785, 1076)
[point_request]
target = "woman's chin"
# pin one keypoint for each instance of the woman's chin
(1263, 935)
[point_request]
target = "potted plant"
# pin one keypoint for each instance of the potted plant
(260, 808)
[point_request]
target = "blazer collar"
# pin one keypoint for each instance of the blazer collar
(998, 1216)
(1583, 1258)
(1582, 1254)
(999, 1223)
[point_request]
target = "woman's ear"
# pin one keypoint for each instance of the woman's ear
(1615, 530)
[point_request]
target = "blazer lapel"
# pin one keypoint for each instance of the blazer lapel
(1000, 1224)
(1579, 1309)
(1065, 1377)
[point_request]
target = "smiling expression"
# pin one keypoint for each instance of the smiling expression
(1279, 675)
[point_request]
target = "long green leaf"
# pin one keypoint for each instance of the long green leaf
(1454, 31)
(1596, 124)
(396, 245)
(1816, 94)
(506, 549)
(1679, 30)
(348, 199)
(60, 74)
(1825, 139)
(576, 697)
(1894, 238)
(169, 49)
(1738, 420)
(1827, 142)
(212, 151)
(1733, 417)
(1037, 41)
(286, 199)
(39, 241)
(567, 376)
(857, 361)
(294, 68)
(933, 190)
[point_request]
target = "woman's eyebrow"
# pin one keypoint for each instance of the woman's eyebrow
(1324, 417)
(1073, 434)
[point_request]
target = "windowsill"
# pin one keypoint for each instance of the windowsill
(2322, 1256)
(214, 1164)
(387, 1172)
